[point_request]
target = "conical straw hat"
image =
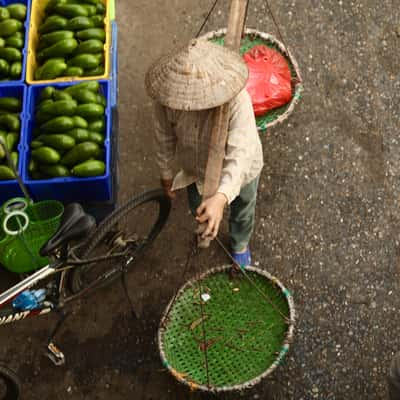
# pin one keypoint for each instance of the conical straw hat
(202, 75)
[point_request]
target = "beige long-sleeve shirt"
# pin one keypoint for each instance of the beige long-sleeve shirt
(184, 137)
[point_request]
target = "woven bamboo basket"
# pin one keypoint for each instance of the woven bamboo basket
(238, 338)
(253, 38)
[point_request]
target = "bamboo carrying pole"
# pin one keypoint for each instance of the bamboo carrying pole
(219, 132)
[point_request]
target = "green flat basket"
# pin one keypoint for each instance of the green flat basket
(225, 331)
(253, 38)
(20, 253)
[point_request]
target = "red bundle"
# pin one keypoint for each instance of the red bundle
(269, 83)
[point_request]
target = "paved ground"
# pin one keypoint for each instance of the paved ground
(328, 219)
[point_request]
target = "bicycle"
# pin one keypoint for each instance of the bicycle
(90, 264)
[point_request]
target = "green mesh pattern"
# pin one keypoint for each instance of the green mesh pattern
(248, 42)
(20, 253)
(244, 333)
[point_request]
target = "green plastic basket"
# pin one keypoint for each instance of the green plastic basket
(253, 38)
(20, 253)
(233, 337)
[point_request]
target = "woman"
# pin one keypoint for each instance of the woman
(187, 87)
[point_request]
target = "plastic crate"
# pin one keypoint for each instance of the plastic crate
(101, 210)
(9, 189)
(69, 189)
(37, 14)
(4, 3)
(114, 58)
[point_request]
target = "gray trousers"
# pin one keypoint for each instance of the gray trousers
(242, 215)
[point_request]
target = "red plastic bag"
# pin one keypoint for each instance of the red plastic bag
(269, 83)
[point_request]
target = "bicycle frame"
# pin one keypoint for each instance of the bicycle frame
(10, 294)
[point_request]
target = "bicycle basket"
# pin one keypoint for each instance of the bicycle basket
(226, 331)
(19, 252)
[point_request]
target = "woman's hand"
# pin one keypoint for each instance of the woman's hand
(211, 212)
(167, 185)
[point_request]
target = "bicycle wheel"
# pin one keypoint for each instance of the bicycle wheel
(10, 385)
(127, 232)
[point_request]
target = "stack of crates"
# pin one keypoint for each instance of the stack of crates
(97, 194)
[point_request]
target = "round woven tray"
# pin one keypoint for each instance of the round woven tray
(253, 38)
(232, 338)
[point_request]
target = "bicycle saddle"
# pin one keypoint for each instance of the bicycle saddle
(75, 225)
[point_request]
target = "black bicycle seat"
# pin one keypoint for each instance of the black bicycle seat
(75, 225)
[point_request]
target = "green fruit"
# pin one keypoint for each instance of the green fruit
(47, 93)
(100, 9)
(4, 68)
(17, 11)
(16, 70)
(79, 122)
(61, 95)
(51, 69)
(98, 21)
(81, 152)
(9, 27)
(6, 173)
(89, 168)
(10, 121)
(101, 100)
(91, 9)
(59, 49)
(71, 10)
(44, 102)
(57, 125)
(12, 140)
(94, 2)
(4, 14)
(3, 42)
(35, 144)
(16, 42)
(98, 71)
(33, 165)
(53, 23)
(54, 37)
(61, 107)
(94, 86)
(74, 71)
(98, 125)
(14, 159)
(85, 61)
(92, 33)
(11, 104)
(90, 110)
(46, 155)
(79, 23)
(91, 46)
(85, 96)
(58, 142)
(10, 54)
(54, 171)
(79, 134)
(53, 3)
(96, 137)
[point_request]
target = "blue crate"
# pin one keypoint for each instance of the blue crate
(71, 188)
(4, 3)
(114, 65)
(9, 189)
(100, 210)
